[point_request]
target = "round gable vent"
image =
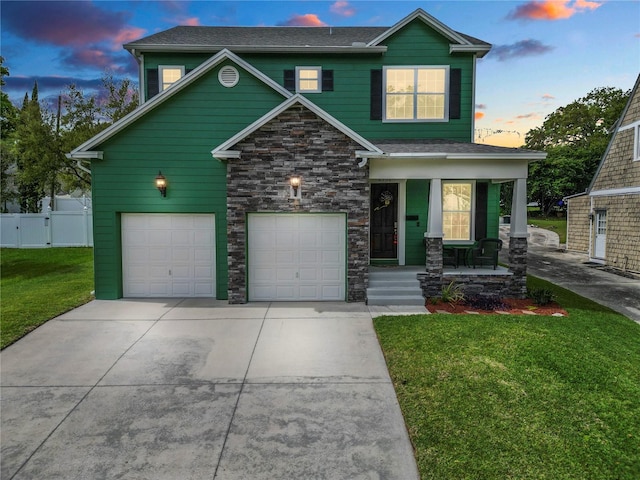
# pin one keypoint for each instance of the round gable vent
(228, 76)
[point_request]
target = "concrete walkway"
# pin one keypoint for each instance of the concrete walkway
(547, 259)
(198, 389)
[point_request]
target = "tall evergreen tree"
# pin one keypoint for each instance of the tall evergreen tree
(35, 153)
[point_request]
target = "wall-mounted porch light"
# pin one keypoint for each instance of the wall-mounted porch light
(295, 188)
(161, 184)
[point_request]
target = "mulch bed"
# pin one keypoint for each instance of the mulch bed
(513, 307)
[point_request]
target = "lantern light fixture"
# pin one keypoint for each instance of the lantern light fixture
(161, 184)
(295, 184)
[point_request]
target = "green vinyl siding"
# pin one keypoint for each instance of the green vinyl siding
(350, 100)
(417, 203)
(177, 138)
(493, 210)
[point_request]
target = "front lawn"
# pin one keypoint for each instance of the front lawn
(526, 397)
(39, 284)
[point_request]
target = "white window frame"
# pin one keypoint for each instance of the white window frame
(472, 212)
(446, 92)
(636, 143)
(161, 68)
(299, 88)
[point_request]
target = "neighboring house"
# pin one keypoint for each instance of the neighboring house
(604, 221)
(295, 158)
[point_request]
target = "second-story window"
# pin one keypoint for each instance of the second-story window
(309, 79)
(416, 94)
(170, 74)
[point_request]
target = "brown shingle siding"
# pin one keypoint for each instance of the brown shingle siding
(578, 223)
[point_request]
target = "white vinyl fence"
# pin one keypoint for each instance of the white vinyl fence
(44, 230)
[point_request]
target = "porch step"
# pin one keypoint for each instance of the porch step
(391, 286)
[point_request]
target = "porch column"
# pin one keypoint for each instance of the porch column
(431, 280)
(434, 225)
(519, 209)
(518, 239)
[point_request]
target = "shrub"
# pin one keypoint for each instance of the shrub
(452, 294)
(486, 302)
(541, 296)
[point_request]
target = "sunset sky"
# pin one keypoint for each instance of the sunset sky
(546, 53)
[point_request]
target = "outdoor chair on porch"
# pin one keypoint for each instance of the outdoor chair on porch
(449, 257)
(486, 253)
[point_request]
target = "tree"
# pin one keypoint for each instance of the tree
(575, 137)
(122, 97)
(8, 122)
(35, 149)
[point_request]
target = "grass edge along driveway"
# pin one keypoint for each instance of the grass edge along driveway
(526, 397)
(39, 284)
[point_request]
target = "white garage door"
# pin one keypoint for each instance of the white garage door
(168, 255)
(296, 257)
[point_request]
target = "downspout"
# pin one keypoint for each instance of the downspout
(473, 100)
(140, 61)
(591, 217)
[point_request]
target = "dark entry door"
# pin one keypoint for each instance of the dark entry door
(384, 220)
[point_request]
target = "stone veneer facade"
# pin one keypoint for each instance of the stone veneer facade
(512, 284)
(298, 142)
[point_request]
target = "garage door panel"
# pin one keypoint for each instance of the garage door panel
(203, 255)
(286, 274)
(309, 274)
(181, 254)
(309, 257)
(298, 260)
(168, 255)
(156, 254)
(331, 275)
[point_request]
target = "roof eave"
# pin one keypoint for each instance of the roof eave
(479, 50)
(164, 48)
(149, 105)
(527, 156)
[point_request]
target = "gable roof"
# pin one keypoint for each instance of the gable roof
(83, 151)
(295, 39)
(635, 91)
(459, 41)
(222, 151)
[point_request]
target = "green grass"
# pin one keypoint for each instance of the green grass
(39, 284)
(558, 225)
(519, 397)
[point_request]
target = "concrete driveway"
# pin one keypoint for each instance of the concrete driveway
(191, 389)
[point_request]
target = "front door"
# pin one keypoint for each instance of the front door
(601, 234)
(384, 220)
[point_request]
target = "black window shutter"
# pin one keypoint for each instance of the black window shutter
(290, 80)
(482, 197)
(327, 80)
(455, 91)
(153, 87)
(376, 95)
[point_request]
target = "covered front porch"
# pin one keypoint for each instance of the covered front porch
(444, 164)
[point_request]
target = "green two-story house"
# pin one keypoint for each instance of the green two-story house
(280, 163)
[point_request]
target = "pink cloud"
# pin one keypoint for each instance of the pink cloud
(548, 96)
(62, 23)
(479, 115)
(551, 9)
(306, 20)
(189, 21)
(127, 35)
(342, 8)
